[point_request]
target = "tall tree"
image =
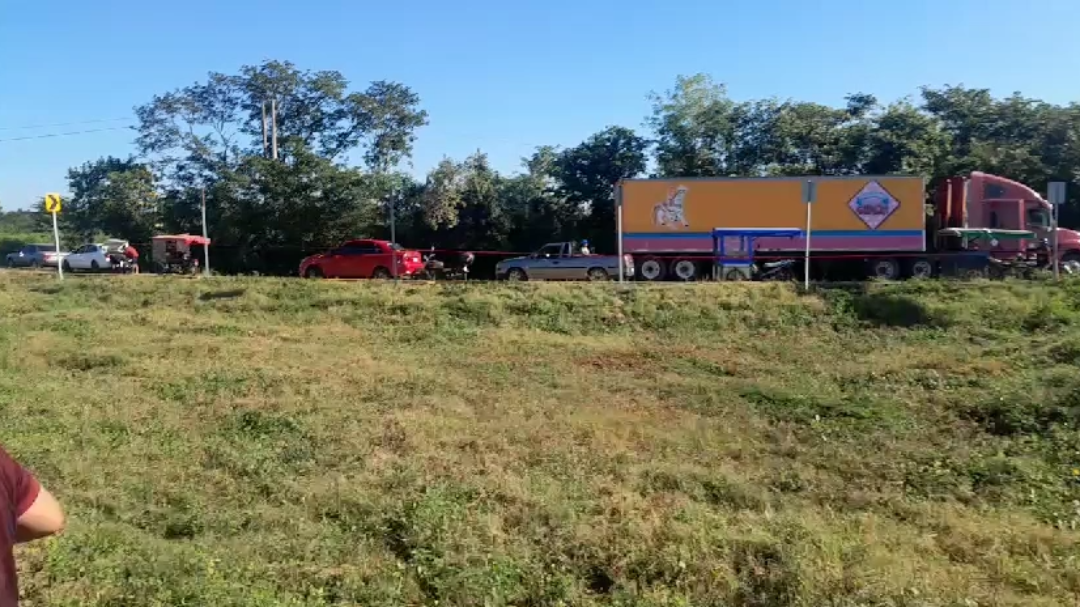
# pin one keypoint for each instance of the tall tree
(114, 196)
(588, 172)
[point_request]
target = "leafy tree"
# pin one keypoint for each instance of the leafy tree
(113, 196)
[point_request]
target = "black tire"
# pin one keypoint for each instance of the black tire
(35, 264)
(684, 269)
(67, 266)
(517, 275)
(1073, 256)
(314, 272)
(597, 274)
(885, 269)
(734, 275)
(11, 263)
(94, 267)
(921, 268)
(381, 273)
(652, 269)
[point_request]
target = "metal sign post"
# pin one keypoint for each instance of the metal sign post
(618, 231)
(206, 240)
(1056, 197)
(53, 204)
(809, 196)
(393, 235)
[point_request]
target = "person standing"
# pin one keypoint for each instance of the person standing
(132, 255)
(27, 512)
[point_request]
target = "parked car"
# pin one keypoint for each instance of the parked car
(34, 256)
(93, 257)
(563, 261)
(363, 259)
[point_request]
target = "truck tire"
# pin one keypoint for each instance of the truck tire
(885, 269)
(734, 275)
(652, 269)
(597, 274)
(516, 275)
(921, 268)
(684, 269)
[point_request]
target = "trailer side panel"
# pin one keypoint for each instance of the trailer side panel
(851, 213)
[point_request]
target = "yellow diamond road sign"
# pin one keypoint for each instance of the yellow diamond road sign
(52, 203)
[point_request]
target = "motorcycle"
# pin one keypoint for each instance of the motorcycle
(781, 270)
(436, 269)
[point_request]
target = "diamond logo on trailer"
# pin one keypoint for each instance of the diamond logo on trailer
(873, 205)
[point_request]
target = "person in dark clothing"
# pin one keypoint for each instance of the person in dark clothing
(27, 512)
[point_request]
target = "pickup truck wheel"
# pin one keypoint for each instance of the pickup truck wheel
(597, 274)
(381, 273)
(652, 269)
(685, 270)
(516, 275)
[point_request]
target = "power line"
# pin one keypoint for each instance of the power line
(48, 135)
(56, 124)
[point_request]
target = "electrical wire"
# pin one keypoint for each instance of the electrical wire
(48, 135)
(56, 124)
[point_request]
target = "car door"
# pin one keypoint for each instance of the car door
(567, 265)
(25, 256)
(540, 266)
(77, 259)
(350, 261)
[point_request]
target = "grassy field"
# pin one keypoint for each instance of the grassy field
(282, 442)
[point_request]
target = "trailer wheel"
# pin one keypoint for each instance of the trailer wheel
(885, 269)
(652, 269)
(685, 269)
(921, 268)
(734, 275)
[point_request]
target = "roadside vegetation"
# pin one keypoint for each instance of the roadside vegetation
(282, 442)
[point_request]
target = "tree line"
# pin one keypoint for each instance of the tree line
(340, 149)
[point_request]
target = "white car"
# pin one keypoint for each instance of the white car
(88, 257)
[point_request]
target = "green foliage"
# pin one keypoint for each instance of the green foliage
(265, 214)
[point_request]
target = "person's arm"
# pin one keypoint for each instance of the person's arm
(37, 513)
(42, 518)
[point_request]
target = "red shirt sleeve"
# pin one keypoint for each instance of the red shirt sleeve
(22, 487)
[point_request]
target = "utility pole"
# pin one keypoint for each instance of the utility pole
(266, 141)
(273, 127)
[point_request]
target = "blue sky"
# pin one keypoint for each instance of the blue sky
(503, 77)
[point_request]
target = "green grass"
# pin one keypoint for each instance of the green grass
(284, 442)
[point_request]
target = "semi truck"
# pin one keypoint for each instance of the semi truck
(860, 226)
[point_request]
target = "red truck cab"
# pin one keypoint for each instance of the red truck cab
(989, 201)
(363, 259)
